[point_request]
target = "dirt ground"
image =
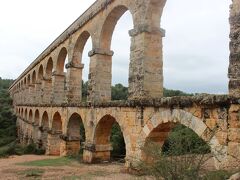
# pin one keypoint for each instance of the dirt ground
(10, 170)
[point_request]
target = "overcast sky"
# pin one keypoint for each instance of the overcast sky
(195, 47)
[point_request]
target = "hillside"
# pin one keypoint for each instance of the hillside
(7, 119)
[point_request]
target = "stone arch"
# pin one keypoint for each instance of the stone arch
(79, 46)
(154, 12)
(102, 135)
(22, 113)
(25, 81)
(57, 123)
(73, 126)
(28, 79)
(26, 114)
(40, 72)
(49, 68)
(109, 25)
(44, 130)
(30, 117)
(21, 86)
(163, 121)
(61, 60)
(53, 140)
(45, 120)
(75, 134)
(36, 117)
(34, 77)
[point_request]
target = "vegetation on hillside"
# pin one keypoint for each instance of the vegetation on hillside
(120, 92)
(7, 119)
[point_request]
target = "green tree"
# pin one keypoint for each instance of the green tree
(117, 141)
(119, 92)
(171, 93)
(7, 119)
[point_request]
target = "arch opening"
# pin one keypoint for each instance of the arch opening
(40, 73)
(57, 123)
(173, 141)
(114, 33)
(45, 120)
(34, 77)
(28, 79)
(44, 131)
(62, 60)
(49, 68)
(109, 140)
(36, 118)
(30, 117)
(75, 135)
(22, 115)
(83, 46)
(54, 141)
(177, 139)
(26, 115)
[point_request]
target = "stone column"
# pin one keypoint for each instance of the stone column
(234, 64)
(35, 133)
(97, 153)
(30, 94)
(70, 146)
(25, 94)
(145, 71)
(37, 98)
(100, 75)
(46, 91)
(21, 96)
(58, 88)
(74, 82)
(53, 143)
(43, 137)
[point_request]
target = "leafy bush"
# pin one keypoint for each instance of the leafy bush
(217, 175)
(183, 140)
(117, 141)
(171, 166)
(182, 156)
(7, 119)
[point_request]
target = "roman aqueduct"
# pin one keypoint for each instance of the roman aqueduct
(48, 102)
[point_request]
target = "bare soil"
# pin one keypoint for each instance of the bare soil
(11, 170)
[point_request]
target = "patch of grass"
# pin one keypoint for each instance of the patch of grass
(87, 176)
(32, 172)
(217, 175)
(63, 161)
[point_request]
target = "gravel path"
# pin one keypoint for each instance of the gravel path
(9, 170)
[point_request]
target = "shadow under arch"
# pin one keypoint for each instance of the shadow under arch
(102, 139)
(37, 117)
(22, 115)
(44, 130)
(30, 116)
(40, 73)
(49, 68)
(54, 140)
(161, 123)
(26, 115)
(75, 135)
